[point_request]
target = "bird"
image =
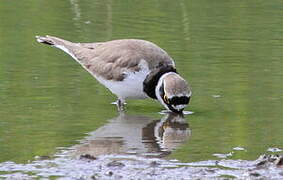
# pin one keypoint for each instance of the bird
(130, 69)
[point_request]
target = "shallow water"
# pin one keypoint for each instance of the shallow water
(229, 51)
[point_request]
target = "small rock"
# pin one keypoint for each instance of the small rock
(93, 177)
(110, 173)
(154, 164)
(42, 157)
(270, 159)
(210, 170)
(87, 156)
(280, 162)
(255, 174)
(115, 164)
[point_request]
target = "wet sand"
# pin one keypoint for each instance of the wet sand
(86, 166)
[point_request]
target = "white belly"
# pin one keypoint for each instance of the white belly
(130, 88)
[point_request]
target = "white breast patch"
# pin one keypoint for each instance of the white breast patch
(132, 86)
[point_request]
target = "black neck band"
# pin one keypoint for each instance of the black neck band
(152, 79)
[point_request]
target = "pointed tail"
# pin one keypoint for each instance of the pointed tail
(53, 41)
(64, 45)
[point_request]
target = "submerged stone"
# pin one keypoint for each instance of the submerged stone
(88, 157)
(115, 164)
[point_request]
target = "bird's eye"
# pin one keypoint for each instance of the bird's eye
(166, 100)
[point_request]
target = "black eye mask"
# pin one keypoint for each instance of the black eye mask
(179, 100)
(174, 101)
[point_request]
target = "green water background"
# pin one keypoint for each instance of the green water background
(230, 51)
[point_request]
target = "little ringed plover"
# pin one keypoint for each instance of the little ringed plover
(130, 69)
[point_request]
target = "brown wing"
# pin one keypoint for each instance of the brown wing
(112, 59)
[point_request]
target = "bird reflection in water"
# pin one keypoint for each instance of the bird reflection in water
(166, 134)
(140, 135)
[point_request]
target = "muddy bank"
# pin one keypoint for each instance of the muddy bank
(136, 167)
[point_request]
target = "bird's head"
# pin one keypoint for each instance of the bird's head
(173, 92)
